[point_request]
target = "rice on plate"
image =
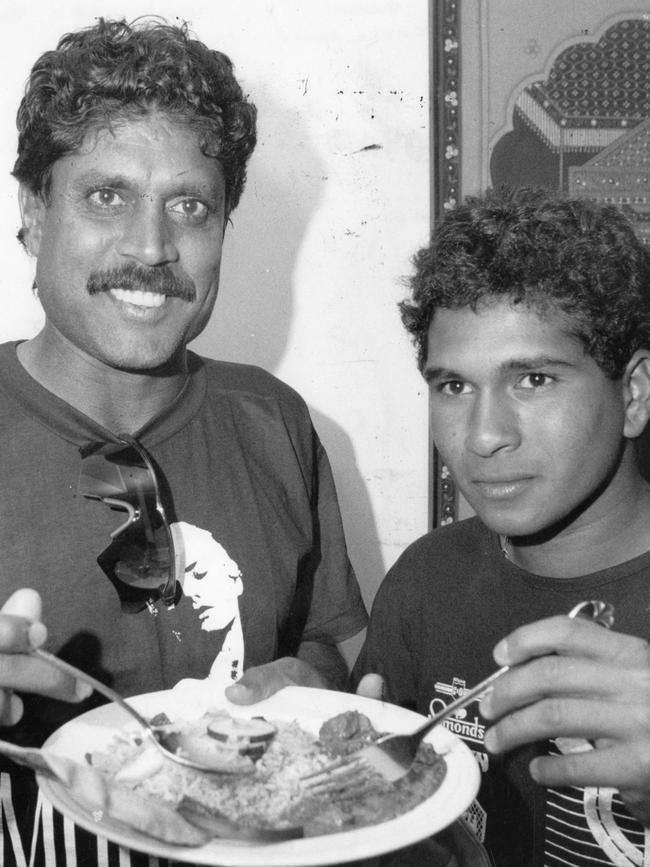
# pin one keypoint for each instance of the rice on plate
(267, 791)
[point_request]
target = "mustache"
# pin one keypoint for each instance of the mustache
(160, 279)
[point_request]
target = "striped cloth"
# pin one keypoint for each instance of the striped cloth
(591, 826)
(42, 837)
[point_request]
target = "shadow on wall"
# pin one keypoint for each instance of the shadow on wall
(358, 517)
(253, 313)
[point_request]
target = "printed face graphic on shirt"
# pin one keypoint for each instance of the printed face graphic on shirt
(213, 582)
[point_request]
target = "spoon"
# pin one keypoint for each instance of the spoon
(169, 744)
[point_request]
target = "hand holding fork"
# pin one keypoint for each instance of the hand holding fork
(392, 756)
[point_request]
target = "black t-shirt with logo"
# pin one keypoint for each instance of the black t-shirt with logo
(435, 621)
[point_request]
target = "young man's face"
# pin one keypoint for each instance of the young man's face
(528, 424)
(142, 196)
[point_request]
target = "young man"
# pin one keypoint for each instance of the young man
(133, 143)
(531, 316)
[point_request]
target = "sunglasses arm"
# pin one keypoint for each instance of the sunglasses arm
(133, 514)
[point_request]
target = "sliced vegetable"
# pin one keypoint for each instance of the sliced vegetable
(250, 737)
(214, 756)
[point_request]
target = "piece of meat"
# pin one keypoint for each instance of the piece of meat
(347, 732)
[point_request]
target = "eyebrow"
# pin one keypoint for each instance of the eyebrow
(434, 374)
(513, 365)
(178, 186)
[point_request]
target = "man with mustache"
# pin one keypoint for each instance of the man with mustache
(133, 144)
(131, 278)
(531, 316)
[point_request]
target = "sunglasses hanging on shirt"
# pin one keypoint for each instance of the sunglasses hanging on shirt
(140, 560)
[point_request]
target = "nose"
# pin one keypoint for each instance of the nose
(493, 425)
(148, 237)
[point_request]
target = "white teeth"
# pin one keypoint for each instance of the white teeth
(138, 297)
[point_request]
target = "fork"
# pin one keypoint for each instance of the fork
(392, 756)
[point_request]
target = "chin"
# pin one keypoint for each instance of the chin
(143, 362)
(531, 532)
(506, 523)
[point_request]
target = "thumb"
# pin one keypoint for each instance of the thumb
(255, 685)
(24, 603)
(371, 686)
(27, 605)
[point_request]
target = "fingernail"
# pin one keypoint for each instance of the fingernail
(16, 709)
(82, 690)
(36, 634)
(500, 653)
(486, 707)
(236, 689)
(534, 771)
(490, 741)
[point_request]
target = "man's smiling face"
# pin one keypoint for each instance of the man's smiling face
(128, 243)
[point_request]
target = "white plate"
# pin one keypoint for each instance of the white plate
(95, 729)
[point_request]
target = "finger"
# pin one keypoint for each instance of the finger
(11, 708)
(570, 637)
(256, 684)
(559, 676)
(569, 718)
(26, 673)
(619, 767)
(18, 635)
(371, 686)
(20, 626)
(263, 681)
(24, 603)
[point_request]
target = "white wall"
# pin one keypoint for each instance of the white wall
(337, 201)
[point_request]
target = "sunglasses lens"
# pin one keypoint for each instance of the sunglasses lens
(140, 559)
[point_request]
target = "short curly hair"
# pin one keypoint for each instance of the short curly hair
(547, 251)
(115, 70)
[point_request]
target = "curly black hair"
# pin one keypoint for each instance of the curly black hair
(115, 70)
(550, 252)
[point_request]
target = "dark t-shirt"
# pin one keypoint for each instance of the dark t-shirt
(435, 621)
(251, 494)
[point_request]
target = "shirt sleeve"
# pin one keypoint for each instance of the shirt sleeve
(387, 650)
(328, 606)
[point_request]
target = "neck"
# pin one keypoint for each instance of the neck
(590, 544)
(119, 400)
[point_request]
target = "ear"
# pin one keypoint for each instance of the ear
(32, 210)
(636, 381)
